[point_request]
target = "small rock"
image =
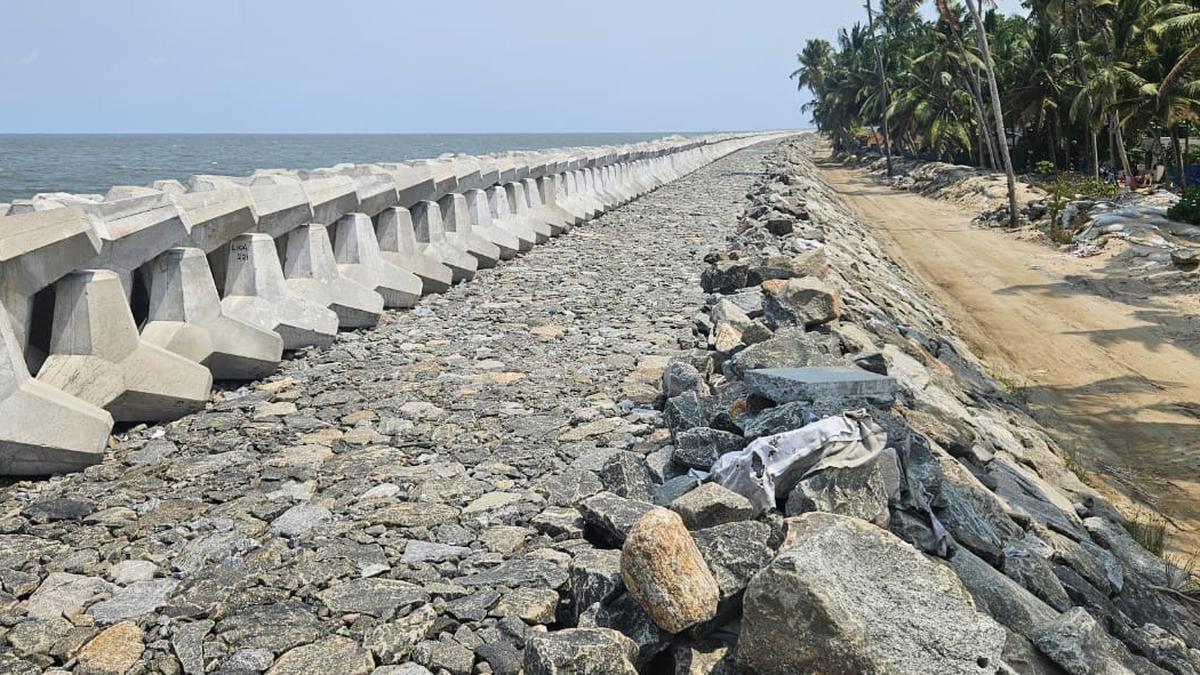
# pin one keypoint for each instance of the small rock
(857, 492)
(334, 654)
(683, 412)
(532, 605)
(252, 660)
(622, 613)
(712, 504)
(595, 576)
(679, 377)
(425, 551)
(135, 600)
(805, 302)
(113, 651)
(664, 571)
(299, 519)
(590, 651)
(491, 501)
(64, 594)
(1080, 646)
(380, 598)
(724, 276)
(625, 474)
(698, 448)
(128, 571)
(734, 552)
(609, 517)
(436, 656)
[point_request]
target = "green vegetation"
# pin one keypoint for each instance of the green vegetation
(1150, 530)
(1071, 458)
(1061, 85)
(1066, 188)
(1187, 210)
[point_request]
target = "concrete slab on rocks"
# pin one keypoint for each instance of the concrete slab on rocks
(784, 385)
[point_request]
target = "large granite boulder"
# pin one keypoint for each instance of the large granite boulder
(848, 593)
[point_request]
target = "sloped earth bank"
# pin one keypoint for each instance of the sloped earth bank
(1108, 359)
(452, 491)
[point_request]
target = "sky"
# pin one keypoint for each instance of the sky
(392, 66)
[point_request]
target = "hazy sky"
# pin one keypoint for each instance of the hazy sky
(394, 66)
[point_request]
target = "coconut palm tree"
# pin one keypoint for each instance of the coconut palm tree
(1068, 70)
(997, 112)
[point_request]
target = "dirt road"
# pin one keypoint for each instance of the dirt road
(1108, 364)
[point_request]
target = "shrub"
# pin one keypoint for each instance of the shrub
(1187, 210)
(1150, 530)
(1066, 188)
(1044, 167)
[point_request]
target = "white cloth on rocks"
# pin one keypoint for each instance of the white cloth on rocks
(769, 467)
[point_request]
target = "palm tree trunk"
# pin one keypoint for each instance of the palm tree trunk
(985, 133)
(1093, 140)
(1076, 19)
(996, 111)
(1112, 146)
(883, 92)
(1178, 148)
(1120, 142)
(1051, 142)
(1064, 138)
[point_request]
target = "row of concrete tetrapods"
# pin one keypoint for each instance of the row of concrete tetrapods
(125, 307)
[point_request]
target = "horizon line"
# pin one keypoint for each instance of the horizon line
(371, 133)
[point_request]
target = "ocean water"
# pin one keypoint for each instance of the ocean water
(90, 164)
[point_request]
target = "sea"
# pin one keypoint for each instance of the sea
(92, 163)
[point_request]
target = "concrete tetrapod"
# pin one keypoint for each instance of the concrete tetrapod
(37, 249)
(96, 355)
(311, 272)
(548, 192)
(280, 205)
(427, 224)
(481, 219)
(483, 245)
(619, 177)
(515, 198)
(608, 181)
(572, 186)
(576, 189)
(359, 258)
(601, 188)
(506, 214)
(255, 292)
(562, 200)
(398, 244)
(592, 185)
(186, 319)
(135, 225)
(43, 430)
